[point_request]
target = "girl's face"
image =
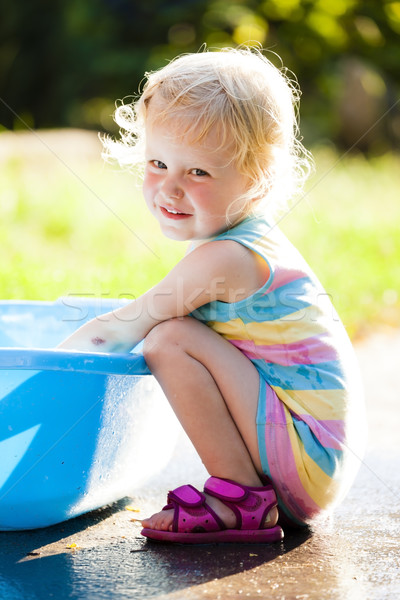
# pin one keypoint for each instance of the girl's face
(191, 188)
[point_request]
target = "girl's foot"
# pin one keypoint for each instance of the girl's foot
(162, 521)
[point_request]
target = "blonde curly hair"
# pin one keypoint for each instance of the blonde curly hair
(237, 92)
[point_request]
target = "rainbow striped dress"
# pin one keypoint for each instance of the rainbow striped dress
(311, 422)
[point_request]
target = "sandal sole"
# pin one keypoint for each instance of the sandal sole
(256, 536)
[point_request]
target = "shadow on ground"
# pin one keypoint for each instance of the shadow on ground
(112, 560)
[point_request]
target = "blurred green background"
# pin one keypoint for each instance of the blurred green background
(65, 63)
(70, 225)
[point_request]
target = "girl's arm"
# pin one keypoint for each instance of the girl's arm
(221, 270)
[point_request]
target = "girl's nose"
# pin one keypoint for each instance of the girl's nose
(172, 189)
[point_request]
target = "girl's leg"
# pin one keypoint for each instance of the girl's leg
(213, 389)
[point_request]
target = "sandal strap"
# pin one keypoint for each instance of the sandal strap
(251, 505)
(186, 495)
(225, 489)
(191, 512)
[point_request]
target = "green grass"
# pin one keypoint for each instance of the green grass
(347, 227)
(78, 230)
(84, 229)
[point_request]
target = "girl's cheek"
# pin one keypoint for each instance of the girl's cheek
(205, 196)
(149, 189)
(149, 184)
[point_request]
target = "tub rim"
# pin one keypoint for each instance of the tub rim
(99, 363)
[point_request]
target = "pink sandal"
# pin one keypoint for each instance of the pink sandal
(196, 523)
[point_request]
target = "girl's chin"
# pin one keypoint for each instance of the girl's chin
(174, 234)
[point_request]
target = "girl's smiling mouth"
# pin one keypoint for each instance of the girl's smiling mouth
(173, 213)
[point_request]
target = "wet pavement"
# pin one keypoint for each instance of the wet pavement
(353, 555)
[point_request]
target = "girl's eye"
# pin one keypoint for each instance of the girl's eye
(199, 172)
(158, 164)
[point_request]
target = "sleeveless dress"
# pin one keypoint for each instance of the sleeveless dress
(311, 422)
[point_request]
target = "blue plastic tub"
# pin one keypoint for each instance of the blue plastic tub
(77, 430)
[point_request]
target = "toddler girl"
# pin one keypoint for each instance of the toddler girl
(240, 334)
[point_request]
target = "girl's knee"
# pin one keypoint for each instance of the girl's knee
(164, 338)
